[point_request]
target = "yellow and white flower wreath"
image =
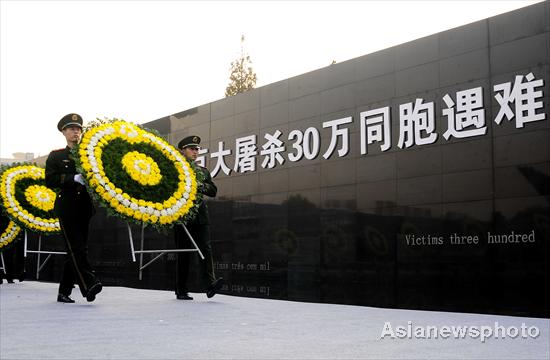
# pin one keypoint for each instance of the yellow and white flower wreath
(142, 205)
(29, 206)
(9, 234)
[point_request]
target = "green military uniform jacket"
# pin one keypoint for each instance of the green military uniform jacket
(208, 188)
(72, 197)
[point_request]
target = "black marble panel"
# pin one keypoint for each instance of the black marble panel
(458, 225)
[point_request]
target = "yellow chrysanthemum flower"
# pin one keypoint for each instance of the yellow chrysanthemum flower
(40, 197)
(141, 168)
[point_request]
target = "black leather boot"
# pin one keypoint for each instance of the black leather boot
(184, 296)
(214, 287)
(64, 299)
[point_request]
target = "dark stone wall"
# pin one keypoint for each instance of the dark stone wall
(335, 230)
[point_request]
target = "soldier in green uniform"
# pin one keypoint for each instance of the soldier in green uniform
(74, 208)
(199, 228)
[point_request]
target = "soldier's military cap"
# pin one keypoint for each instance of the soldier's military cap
(192, 140)
(68, 120)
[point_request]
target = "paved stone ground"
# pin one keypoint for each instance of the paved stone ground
(125, 323)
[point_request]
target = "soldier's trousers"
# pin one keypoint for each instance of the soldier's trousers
(76, 269)
(7, 255)
(14, 261)
(201, 235)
